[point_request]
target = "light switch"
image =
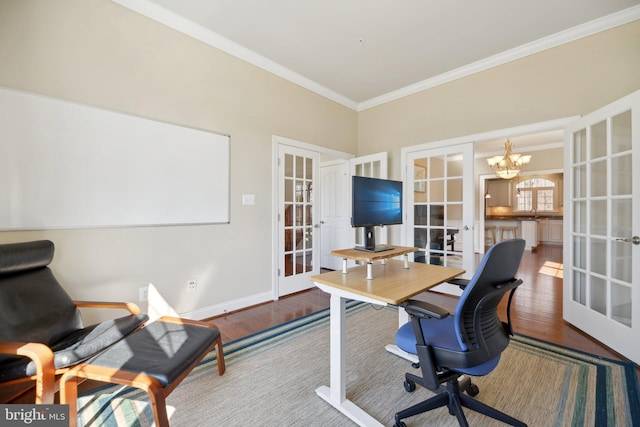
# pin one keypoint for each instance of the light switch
(248, 199)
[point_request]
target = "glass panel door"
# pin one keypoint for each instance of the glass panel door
(442, 204)
(298, 169)
(601, 294)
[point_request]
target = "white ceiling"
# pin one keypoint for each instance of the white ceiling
(362, 53)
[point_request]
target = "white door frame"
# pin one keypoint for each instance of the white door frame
(480, 137)
(277, 141)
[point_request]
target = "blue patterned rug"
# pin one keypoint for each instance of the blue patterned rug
(272, 376)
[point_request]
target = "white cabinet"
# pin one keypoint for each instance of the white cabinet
(530, 234)
(555, 231)
(550, 231)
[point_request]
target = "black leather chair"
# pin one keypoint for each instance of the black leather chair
(469, 342)
(41, 328)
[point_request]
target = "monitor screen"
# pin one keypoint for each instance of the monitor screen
(376, 202)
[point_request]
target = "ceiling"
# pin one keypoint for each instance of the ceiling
(362, 53)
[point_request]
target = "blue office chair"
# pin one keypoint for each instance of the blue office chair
(449, 347)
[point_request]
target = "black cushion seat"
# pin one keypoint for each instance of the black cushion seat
(76, 347)
(161, 350)
(35, 308)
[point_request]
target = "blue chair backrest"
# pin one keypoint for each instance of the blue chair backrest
(476, 318)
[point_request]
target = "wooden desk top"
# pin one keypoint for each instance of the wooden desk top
(357, 255)
(392, 283)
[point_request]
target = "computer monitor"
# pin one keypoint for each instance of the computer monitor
(375, 202)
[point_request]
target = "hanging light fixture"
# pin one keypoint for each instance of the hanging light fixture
(509, 165)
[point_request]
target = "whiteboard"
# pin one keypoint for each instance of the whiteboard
(66, 165)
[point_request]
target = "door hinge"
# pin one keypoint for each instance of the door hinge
(278, 272)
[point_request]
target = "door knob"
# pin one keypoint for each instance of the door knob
(635, 240)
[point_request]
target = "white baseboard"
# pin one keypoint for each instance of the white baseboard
(215, 310)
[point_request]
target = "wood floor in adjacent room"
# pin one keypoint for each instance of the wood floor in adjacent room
(536, 309)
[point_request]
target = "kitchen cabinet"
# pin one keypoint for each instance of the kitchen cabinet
(550, 231)
(500, 191)
(530, 234)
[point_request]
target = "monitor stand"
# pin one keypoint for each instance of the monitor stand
(370, 242)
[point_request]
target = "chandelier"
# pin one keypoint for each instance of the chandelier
(509, 165)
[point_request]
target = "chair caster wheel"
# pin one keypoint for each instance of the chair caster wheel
(409, 386)
(473, 390)
(399, 424)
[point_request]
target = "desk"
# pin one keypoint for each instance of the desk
(370, 257)
(393, 284)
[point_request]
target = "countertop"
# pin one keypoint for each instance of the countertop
(521, 217)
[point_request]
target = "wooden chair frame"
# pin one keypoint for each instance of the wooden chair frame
(46, 384)
(157, 393)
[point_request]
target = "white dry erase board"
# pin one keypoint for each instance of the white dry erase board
(67, 165)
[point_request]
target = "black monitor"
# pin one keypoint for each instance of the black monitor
(375, 202)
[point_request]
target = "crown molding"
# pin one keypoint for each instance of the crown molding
(198, 32)
(592, 27)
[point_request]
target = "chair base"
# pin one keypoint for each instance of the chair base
(451, 397)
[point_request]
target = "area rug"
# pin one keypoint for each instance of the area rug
(272, 376)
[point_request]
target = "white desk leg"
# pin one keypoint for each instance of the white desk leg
(336, 394)
(337, 329)
(406, 260)
(369, 271)
(344, 266)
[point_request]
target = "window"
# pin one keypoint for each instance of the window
(536, 193)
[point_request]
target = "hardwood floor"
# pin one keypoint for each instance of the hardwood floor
(536, 309)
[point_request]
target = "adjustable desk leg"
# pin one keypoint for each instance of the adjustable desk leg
(336, 393)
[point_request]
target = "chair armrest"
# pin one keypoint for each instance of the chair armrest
(42, 356)
(461, 283)
(129, 306)
(425, 310)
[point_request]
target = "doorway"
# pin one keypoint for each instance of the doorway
(296, 210)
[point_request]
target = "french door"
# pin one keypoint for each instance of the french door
(602, 247)
(298, 227)
(440, 202)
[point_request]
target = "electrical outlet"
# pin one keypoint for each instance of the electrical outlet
(143, 293)
(192, 284)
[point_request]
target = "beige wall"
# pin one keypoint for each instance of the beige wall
(99, 53)
(569, 80)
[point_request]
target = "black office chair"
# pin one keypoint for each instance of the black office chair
(449, 347)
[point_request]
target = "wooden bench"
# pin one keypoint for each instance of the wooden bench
(154, 359)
